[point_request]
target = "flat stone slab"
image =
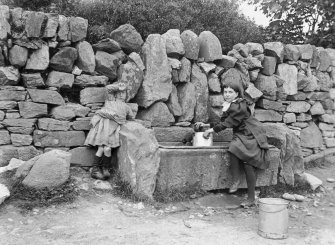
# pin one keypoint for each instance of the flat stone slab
(206, 168)
(58, 138)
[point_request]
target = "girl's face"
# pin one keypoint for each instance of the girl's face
(229, 94)
(121, 95)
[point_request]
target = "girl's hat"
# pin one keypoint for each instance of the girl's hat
(116, 87)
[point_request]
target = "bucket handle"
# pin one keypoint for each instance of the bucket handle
(274, 211)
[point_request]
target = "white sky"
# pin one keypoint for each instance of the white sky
(259, 17)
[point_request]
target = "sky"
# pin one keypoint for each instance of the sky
(258, 16)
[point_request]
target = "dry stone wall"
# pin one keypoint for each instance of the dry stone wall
(52, 81)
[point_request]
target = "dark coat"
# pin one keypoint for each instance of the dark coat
(249, 143)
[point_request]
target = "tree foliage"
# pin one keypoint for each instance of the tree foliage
(300, 21)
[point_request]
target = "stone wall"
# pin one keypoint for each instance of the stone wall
(52, 81)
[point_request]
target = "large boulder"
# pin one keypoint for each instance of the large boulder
(138, 158)
(128, 38)
(275, 49)
(4, 193)
(32, 80)
(173, 103)
(267, 85)
(174, 44)
(86, 58)
(64, 59)
(107, 45)
(191, 44)
(210, 46)
(39, 59)
(32, 110)
(7, 152)
(48, 170)
(199, 79)
(34, 23)
(9, 75)
(284, 139)
(158, 114)
(51, 25)
(311, 136)
(157, 84)
(107, 64)
(60, 79)
(184, 73)
(131, 75)
(46, 96)
(18, 56)
(77, 29)
(64, 28)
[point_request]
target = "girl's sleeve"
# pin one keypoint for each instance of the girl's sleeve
(236, 114)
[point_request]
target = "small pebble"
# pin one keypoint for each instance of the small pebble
(288, 196)
(330, 180)
(299, 198)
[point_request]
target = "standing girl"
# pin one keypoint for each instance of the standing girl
(249, 143)
(106, 126)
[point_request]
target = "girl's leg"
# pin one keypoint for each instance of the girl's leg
(96, 170)
(107, 151)
(235, 171)
(250, 174)
(106, 159)
(100, 151)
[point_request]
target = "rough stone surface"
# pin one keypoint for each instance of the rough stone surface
(85, 80)
(32, 80)
(4, 193)
(77, 29)
(21, 139)
(58, 138)
(39, 59)
(51, 25)
(210, 47)
(18, 56)
(173, 134)
(64, 59)
(216, 100)
(82, 124)
(131, 75)
(187, 101)
(45, 96)
(8, 95)
(227, 61)
(184, 72)
(86, 58)
(7, 105)
(32, 110)
(275, 49)
(298, 107)
(269, 65)
(49, 124)
(158, 114)
(62, 113)
(173, 103)
(128, 38)
(174, 44)
(135, 57)
(214, 84)
(254, 48)
(306, 51)
(107, 45)
(107, 64)
(331, 53)
(291, 52)
(19, 122)
(20, 130)
(92, 95)
(317, 109)
(324, 81)
(267, 85)
(59, 79)
(253, 93)
(48, 170)
(4, 137)
(138, 158)
(311, 132)
(34, 23)
(199, 79)
(271, 105)
(9, 75)
(289, 74)
(289, 118)
(284, 139)
(157, 83)
(64, 28)
(191, 44)
(268, 115)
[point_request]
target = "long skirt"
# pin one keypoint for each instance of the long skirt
(104, 133)
(245, 147)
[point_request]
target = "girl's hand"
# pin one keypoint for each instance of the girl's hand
(207, 133)
(198, 125)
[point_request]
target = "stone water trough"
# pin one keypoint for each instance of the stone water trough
(207, 168)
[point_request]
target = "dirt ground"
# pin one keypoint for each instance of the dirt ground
(97, 217)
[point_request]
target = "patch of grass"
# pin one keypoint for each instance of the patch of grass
(28, 198)
(279, 189)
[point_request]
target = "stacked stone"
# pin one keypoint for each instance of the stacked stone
(296, 84)
(45, 62)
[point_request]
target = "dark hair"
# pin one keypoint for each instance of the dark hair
(236, 87)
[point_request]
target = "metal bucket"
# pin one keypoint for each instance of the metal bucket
(273, 218)
(199, 140)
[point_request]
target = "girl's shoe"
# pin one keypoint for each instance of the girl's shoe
(234, 187)
(248, 204)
